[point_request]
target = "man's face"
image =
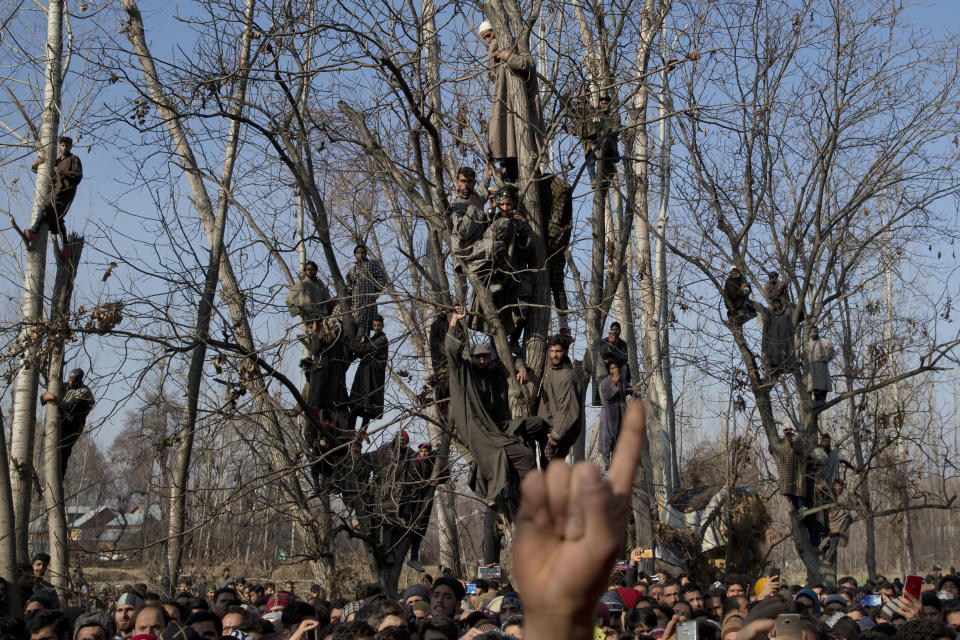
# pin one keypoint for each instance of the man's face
(39, 566)
(694, 598)
(734, 590)
(837, 487)
(413, 600)
(95, 632)
(814, 333)
(952, 588)
(557, 353)
(172, 612)
(604, 104)
(671, 594)
(656, 592)
(825, 443)
(222, 601)
(488, 36)
(65, 148)
(360, 254)
(508, 610)
(311, 271)
(46, 633)
(231, 621)
(149, 621)
(683, 610)
(377, 326)
(480, 360)
(443, 601)
(805, 603)
(288, 587)
(122, 618)
(833, 607)
(614, 333)
(206, 629)
(465, 185)
(32, 608)
(953, 620)
(931, 613)
(424, 453)
(714, 606)
(506, 206)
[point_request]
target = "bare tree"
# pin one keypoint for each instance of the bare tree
(809, 151)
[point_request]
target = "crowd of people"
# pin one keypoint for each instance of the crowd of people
(635, 606)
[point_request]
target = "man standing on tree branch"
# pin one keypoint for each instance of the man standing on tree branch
(67, 174)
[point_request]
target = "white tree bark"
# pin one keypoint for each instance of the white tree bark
(53, 474)
(25, 388)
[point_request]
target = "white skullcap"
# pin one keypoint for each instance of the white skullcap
(484, 26)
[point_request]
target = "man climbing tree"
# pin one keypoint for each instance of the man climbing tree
(74, 407)
(67, 174)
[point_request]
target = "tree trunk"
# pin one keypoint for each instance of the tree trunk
(8, 540)
(664, 108)
(637, 179)
(195, 375)
(28, 342)
(53, 474)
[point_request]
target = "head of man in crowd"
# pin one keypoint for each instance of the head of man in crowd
(234, 618)
(360, 252)
(506, 201)
(90, 627)
(671, 592)
(49, 625)
(36, 602)
(814, 333)
(826, 442)
(510, 606)
(486, 32)
(223, 597)
(614, 334)
(206, 623)
(424, 451)
(278, 602)
(446, 596)
(150, 619)
(123, 613)
(42, 560)
(693, 597)
(377, 325)
(655, 591)
(736, 586)
(557, 350)
(480, 356)
(310, 270)
(466, 181)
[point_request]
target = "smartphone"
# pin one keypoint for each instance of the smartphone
(788, 626)
(775, 572)
(687, 630)
(912, 587)
(871, 600)
(471, 589)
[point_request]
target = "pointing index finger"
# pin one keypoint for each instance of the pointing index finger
(626, 456)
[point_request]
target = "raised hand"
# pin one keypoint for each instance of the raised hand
(570, 526)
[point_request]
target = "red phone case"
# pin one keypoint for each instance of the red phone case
(912, 586)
